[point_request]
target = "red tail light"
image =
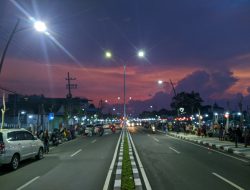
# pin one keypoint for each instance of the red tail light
(2, 148)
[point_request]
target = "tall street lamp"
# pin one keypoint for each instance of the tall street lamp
(38, 25)
(108, 55)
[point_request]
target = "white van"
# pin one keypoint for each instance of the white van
(17, 145)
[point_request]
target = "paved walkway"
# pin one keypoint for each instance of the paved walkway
(215, 143)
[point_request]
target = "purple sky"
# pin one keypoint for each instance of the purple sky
(201, 45)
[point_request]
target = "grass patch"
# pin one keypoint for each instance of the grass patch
(127, 172)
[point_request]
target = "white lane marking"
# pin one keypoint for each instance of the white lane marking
(29, 182)
(76, 153)
(229, 182)
(156, 139)
(93, 141)
(144, 176)
(149, 135)
(212, 150)
(174, 150)
(107, 181)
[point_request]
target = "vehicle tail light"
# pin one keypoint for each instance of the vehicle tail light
(2, 148)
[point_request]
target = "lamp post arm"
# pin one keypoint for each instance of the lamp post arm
(8, 43)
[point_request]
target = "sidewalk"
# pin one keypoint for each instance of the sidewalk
(215, 143)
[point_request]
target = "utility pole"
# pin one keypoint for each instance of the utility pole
(174, 95)
(70, 86)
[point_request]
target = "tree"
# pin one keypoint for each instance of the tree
(191, 102)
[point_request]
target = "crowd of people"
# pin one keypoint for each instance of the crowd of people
(237, 134)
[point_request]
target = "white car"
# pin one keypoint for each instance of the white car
(17, 145)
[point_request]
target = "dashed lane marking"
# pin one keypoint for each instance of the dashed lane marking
(174, 150)
(229, 182)
(76, 153)
(29, 182)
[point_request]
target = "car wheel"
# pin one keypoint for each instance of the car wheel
(15, 162)
(40, 154)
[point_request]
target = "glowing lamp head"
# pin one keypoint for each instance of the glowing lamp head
(160, 82)
(108, 54)
(141, 54)
(40, 26)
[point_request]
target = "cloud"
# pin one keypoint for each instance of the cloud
(210, 84)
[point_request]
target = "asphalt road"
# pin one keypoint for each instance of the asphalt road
(172, 163)
(82, 163)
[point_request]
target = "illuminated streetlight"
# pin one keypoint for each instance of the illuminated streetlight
(141, 53)
(160, 82)
(108, 54)
(40, 26)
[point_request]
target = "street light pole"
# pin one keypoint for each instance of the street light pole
(124, 95)
(38, 25)
(8, 43)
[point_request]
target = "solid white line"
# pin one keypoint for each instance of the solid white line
(174, 150)
(29, 182)
(212, 150)
(229, 182)
(156, 139)
(93, 141)
(106, 184)
(76, 153)
(144, 176)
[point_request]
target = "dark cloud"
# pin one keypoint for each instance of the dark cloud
(208, 84)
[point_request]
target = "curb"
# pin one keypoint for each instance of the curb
(137, 179)
(118, 173)
(210, 144)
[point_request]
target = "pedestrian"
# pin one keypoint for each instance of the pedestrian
(221, 131)
(164, 128)
(246, 135)
(46, 141)
(237, 133)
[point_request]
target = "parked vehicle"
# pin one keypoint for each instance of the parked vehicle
(17, 145)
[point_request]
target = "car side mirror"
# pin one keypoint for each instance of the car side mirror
(34, 138)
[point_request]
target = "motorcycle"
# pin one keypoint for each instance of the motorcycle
(100, 131)
(113, 129)
(55, 140)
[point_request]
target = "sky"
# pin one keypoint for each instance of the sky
(200, 45)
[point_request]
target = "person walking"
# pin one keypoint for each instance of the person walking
(221, 131)
(246, 135)
(46, 141)
(237, 133)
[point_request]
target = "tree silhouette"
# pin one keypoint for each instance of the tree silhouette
(191, 102)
